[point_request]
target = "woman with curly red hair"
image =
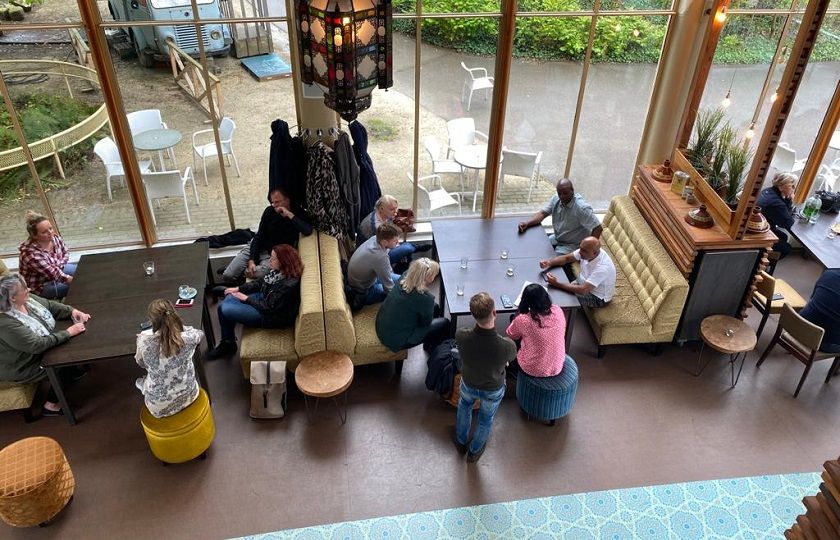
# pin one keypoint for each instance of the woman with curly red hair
(271, 302)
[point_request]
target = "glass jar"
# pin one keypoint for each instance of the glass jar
(812, 209)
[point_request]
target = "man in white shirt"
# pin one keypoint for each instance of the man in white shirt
(595, 286)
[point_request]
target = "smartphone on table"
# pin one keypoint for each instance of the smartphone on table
(183, 302)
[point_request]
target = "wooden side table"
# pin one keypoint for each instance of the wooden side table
(324, 374)
(727, 335)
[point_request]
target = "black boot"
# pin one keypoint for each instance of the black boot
(225, 348)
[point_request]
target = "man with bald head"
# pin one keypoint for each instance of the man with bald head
(571, 217)
(595, 286)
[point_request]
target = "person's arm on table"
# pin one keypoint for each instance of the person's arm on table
(559, 260)
(535, 220)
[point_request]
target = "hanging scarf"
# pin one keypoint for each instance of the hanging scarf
(272, 277)
(39, 320)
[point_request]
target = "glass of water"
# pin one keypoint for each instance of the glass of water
(465, 262)
(511, 269)
(459, 289)
(504, 254)
(149, 267)
(831, 233)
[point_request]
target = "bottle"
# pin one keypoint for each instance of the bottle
(812, 208)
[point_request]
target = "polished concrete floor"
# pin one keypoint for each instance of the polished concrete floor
(639, 420)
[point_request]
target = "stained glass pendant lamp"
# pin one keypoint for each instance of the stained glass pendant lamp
(346, 50)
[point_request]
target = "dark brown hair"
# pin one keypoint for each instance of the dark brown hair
(169, 324)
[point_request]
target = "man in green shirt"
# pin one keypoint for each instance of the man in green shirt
(484, 354)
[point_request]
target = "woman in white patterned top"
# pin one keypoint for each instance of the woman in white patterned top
(166, 354)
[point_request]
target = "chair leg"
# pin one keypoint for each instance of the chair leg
(398, 367)
(28, 417)
(602, 351)
(769, 346)
(764, 317)
(108, 184)
(236, 163)
(469, 101)
(802, 380)
(187, 208)
(832, 369)
(204, 164)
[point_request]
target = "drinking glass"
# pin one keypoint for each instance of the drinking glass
(459, 289)
(511, 269)
(831, 233)
(183, 291)
(465, 262)
(504, 254)
(149, 267)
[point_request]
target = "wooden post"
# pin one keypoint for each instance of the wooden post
(812, 166)
(779, 112)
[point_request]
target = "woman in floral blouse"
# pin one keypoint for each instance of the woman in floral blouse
(44, 259)
(166, 354)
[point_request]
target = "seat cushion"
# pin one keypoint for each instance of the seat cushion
(338, 319)
(625, 309)
(309, 326)
(548, 398)
(15, 396)
(789, 294)
(267, 344)
(369, 349)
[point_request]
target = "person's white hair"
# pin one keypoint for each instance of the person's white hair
(417, 275)
(383, 200)
(10, 285)
(784, 178)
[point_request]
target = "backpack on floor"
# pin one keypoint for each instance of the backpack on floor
(268, 389)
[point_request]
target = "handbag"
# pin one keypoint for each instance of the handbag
(404, 220)
(268, 389)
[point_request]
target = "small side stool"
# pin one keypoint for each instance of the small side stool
(36, 482)
(324, 374)
(727, 335)
(548, 398)
(183, 436)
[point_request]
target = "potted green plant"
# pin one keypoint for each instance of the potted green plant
(718, 177)
(737, 160)
(706, 129)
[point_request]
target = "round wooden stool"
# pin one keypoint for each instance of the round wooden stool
(35, 482)
(727, 335)
(325, 374)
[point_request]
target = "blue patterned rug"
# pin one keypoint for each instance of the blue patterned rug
(756, 507)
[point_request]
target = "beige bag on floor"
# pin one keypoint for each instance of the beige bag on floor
(268, 389)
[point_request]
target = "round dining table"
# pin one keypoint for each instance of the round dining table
(157, 140)
(473, 157)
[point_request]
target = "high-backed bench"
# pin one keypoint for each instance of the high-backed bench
(353, 335)
(650, 291)
(307, 336)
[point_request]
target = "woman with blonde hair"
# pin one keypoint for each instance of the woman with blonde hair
(165, 352)
(777, 206)
(44, 259)
(407, 316)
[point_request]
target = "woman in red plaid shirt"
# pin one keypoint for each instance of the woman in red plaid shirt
(44, 259)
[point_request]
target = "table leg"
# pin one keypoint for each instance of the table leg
(732, 359)
(55, 381)
(162, 164)
(198, 362)
(571, 314)
(338, 408)
(453, 324)
(698, 370)
(207, 324)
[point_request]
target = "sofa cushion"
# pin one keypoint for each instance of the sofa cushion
(309, 336)
(267, 344)
(625, 309)
(368, 347)
(338, 319)
(15, 396)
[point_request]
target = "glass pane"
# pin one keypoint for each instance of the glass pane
(540, 111)
(456, 27)
(38, 12)
(764, 4)
(613, 117)
(455, 117)
(628, 5)
(62, 107)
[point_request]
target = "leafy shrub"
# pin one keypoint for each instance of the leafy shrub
(42, 115)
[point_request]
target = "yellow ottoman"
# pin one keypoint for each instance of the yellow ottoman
(35, 481)
(182, 436)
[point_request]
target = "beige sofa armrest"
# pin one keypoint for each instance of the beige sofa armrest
(338, 319)
(310, 336)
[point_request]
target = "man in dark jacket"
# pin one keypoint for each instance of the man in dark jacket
(278, 225)
(776, 205)
(823, 309)
(484, 354)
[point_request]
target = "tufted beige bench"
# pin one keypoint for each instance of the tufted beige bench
(353, 335)
(650, 291)
(307, 335)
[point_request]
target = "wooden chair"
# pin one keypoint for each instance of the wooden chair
(762, 298)
(802, 339)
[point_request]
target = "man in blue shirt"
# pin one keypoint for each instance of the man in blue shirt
(571, 216)
(823, 309)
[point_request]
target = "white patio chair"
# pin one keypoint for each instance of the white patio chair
(146, 120)
(107, 151)
(525, 164)
(462, 133)
(441, 165)
(784, 159)
(828, 176)
(162, 185)
(206, 150)
(429, 200)
(476, 79)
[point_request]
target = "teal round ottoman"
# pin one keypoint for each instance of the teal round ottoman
(548, 398)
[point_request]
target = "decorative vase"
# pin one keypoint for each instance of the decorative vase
(757, 223)
(663, 173)
(699, 217)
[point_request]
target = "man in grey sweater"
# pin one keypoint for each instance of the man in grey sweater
(369, 271)
(484, 354)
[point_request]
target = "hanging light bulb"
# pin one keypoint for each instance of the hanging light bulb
(750, 132)
(721, 15)
(774, 97)
(727, 101)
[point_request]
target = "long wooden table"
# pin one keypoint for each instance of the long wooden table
(116, 292)
(482, 241)
(813, 237)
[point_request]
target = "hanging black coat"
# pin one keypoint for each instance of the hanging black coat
(347, 174)
(369, 190)
(287, 163)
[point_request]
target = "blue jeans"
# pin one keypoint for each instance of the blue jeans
(490, 400)
(402, 251)
(376, 292)
(232, 311)
(58, 289)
